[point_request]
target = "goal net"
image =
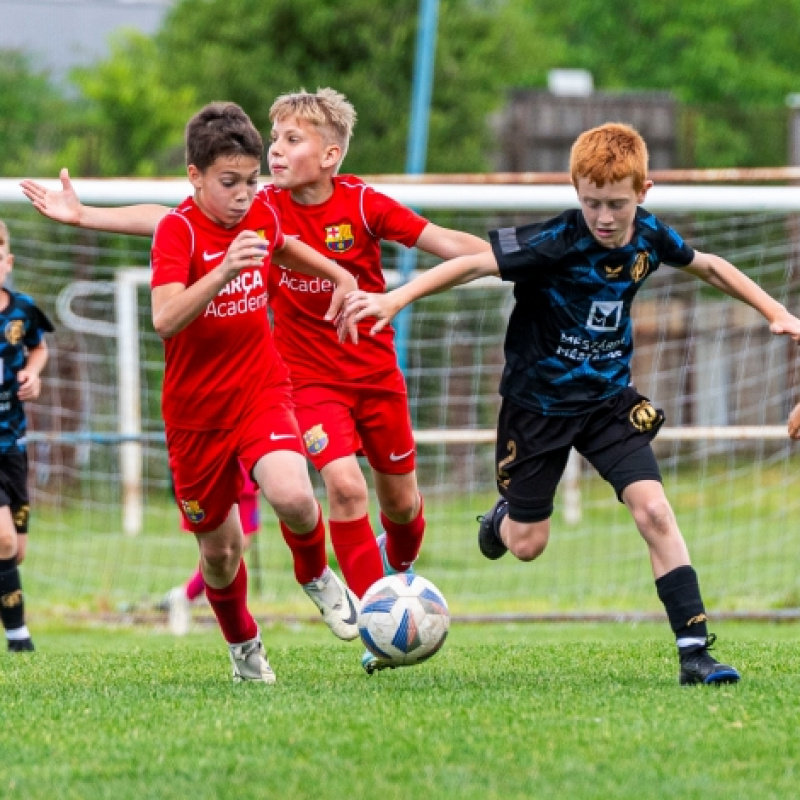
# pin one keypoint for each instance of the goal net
(104, 528)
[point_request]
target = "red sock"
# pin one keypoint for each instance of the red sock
(230, 607)
(357, 552)
(403, 540)
(195, 586)
(308, 551)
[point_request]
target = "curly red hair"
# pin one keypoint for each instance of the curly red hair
(611, 152)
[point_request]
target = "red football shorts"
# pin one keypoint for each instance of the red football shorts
(207, 465)
(370, 419)
(248, 506)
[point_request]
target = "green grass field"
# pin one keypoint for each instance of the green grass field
(741, 520)
(526, 711)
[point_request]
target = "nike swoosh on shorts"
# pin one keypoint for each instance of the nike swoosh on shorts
(393, 457)
(275, 436)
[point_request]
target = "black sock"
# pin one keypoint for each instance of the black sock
(679, 591)
(499, 516)
(12, 603)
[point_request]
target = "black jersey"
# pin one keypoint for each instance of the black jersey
(570, 338)
(22, 325)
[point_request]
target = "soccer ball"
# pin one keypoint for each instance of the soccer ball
(403, 619)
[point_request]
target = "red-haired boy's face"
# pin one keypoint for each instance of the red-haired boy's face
(609, 210)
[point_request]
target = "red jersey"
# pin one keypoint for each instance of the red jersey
(348, 227)
(215, 364)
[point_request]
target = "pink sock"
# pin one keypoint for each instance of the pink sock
(403, 540)
(230, 608)
(195, 586)
(308, 551)
(357, 552)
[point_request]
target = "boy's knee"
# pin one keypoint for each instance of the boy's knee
(654, 515)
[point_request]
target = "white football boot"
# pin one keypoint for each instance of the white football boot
(337, 604)
(250, 662)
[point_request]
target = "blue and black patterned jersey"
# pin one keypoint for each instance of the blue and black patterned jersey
(570, 337)
(22, 325)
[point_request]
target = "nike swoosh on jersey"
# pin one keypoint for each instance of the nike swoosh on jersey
(393, 457)
(275, 436)
(212, 256)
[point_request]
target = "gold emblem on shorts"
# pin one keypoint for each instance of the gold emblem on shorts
(192, 510)
(15, 330)
(644, 417)
(503, 478)
(315, 439)
(12, 599)
(21, 516)
(640, 267)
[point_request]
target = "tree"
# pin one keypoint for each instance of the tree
(249, 51)
(29, 104)
(731, 65)
(136, 118)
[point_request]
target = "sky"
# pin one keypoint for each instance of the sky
(60, 34)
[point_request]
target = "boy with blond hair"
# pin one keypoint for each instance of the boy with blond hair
(567, 378)
(23, 356)
(348, 401)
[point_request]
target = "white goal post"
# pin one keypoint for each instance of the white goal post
(423, 194)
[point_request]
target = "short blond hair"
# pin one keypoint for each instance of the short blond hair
(329, 111)
(610, 152)
(5, 239)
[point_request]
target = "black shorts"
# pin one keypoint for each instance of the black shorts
(14, 488)
(532, 450)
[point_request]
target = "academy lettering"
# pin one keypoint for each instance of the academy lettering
(244, 305)
(309, 285)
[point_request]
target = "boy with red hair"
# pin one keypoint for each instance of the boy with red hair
(567, 378)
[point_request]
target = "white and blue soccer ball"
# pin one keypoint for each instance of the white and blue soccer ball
(404, 619)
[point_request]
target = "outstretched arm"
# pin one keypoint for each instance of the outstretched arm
(722, 275)
(448, 243)
(65, 206)
(442, 277)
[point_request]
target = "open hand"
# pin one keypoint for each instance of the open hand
(61, 205)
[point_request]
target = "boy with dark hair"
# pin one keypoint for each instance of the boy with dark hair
(23, 356)
(348, 401)
(566, 381)
(226, 397)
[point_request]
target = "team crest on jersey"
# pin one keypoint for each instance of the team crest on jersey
(339, 238)
(192, 510)
(640, 267)
(644, 417)
(15, 330)
(316, 440)
(612, 271)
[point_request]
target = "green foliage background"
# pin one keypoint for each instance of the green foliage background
(730, 68)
